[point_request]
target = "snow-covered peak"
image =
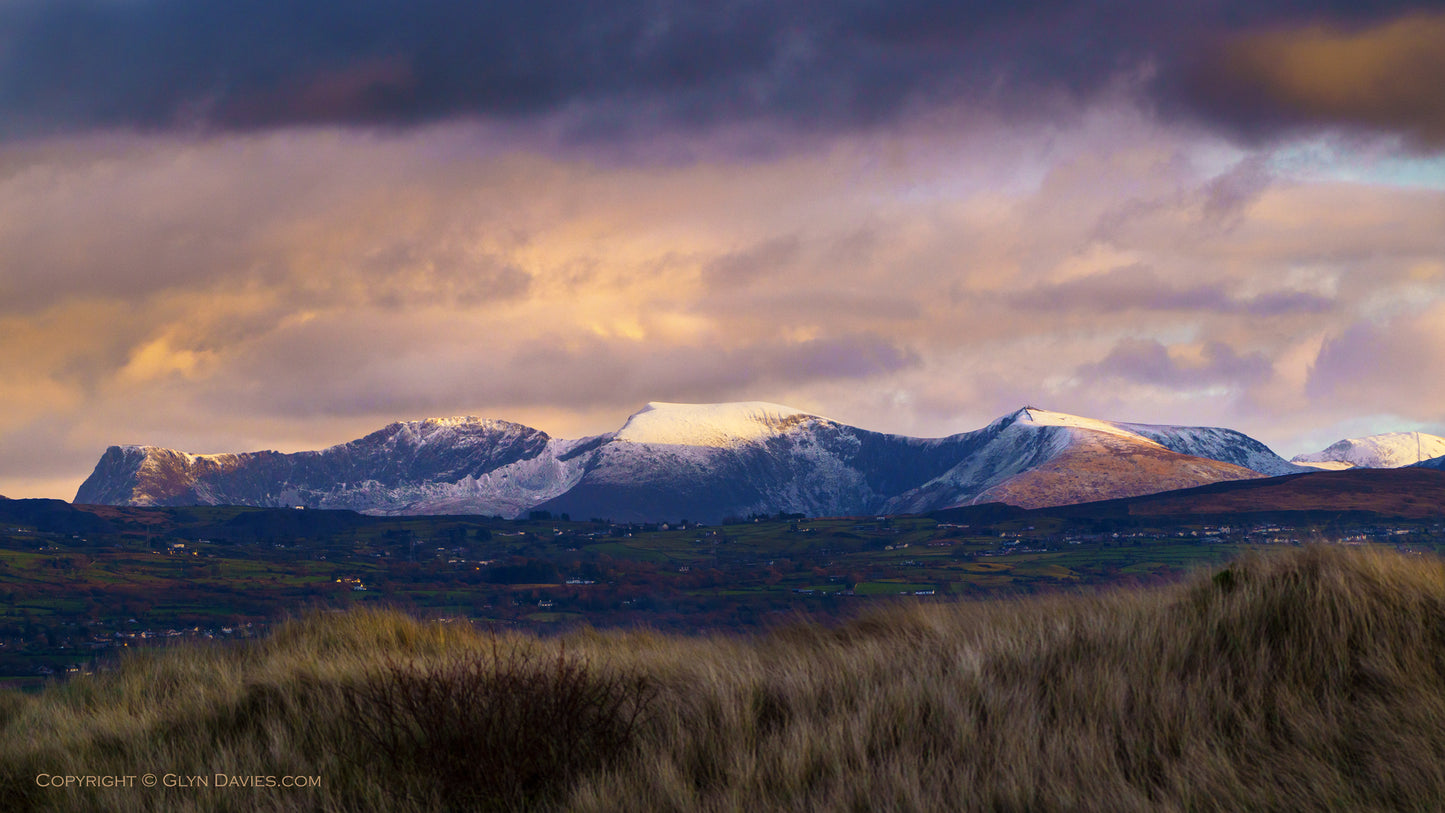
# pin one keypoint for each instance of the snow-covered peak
(717, 425)
(455, 420)
(429, 425)
(1214, 443)
(1385, 451)
(1043, 417)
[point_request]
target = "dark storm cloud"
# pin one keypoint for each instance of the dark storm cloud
(1385, 76)
(77, 64)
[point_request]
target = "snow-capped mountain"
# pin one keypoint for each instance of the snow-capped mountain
(1035, 458)
(1385, 451)
(1216, 443)
(698, 461)
(705, 462)
(447, 465)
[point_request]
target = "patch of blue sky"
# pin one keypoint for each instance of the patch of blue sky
(1357, 161)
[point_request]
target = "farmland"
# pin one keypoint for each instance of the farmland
(80, 584)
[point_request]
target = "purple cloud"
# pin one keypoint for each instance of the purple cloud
(1138, 287)
(1149, 362)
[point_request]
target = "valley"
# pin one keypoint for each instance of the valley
(690, 518)
(81, 583)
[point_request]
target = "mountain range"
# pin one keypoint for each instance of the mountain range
(698, 461)
(1385, 451)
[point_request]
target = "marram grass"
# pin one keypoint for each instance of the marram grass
(1311, 679)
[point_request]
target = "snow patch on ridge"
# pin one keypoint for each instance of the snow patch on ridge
(1324, 465)
(1043, 417)
(507, 490)
(713, 425)
(150, 453)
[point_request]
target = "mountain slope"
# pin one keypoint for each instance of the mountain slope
(1436, 463)
(698, 461)
(455, 465)
(1389, 494)
(1216, 443)
(1034, 458)
(1384, 451)
(710, 461)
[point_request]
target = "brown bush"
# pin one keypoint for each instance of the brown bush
(498, 730)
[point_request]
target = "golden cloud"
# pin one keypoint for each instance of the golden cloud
(1389, 76)
(296, 290)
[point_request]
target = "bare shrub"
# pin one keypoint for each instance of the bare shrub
(499, 730)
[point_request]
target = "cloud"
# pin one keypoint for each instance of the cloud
(1387, 365)
(298, 288)
(757, 262)
(620, 69)
(44, 449)
(1385, 76)
(320, 216)
(383, 365)
(1228, 195)
(1150, 362)
(262, 63)
(1137, 287)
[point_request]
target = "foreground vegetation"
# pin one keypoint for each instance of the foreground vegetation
(1311, 678)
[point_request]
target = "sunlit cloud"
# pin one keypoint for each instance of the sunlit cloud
(410, 277)
(1385, 76)
(912, 217)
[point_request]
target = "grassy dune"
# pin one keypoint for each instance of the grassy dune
(1310, 679)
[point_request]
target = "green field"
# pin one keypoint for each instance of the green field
(70, 600)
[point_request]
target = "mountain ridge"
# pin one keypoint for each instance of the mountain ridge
(702, 461)
(1386, 450)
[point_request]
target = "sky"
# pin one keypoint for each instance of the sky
(233, 225)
